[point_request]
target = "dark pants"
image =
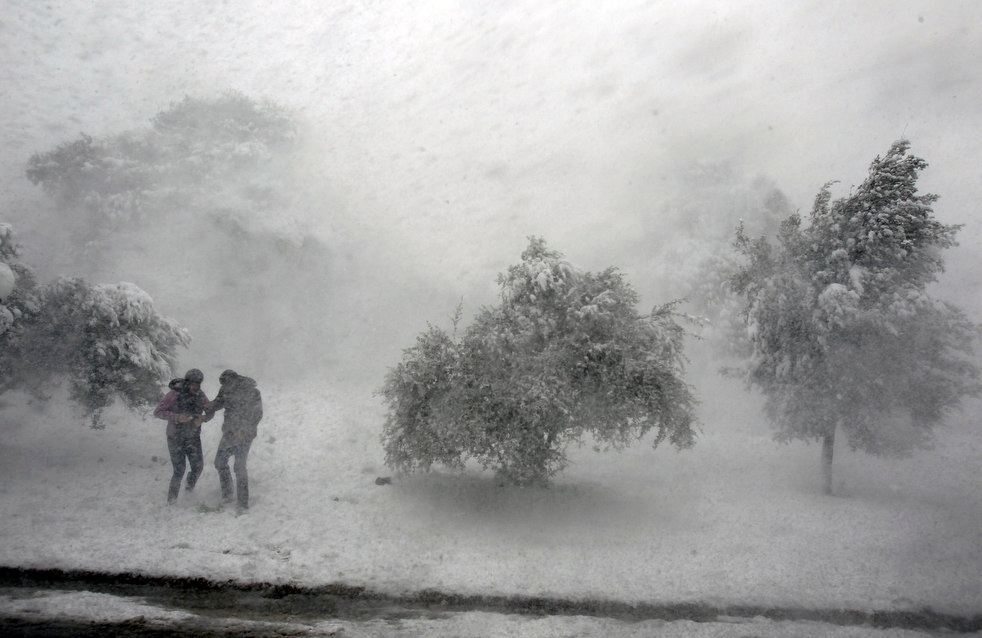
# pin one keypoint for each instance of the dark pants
(186, 444)
(241, 453)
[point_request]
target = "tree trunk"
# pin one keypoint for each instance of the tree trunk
(828, 447)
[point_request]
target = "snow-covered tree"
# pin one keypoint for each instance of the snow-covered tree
(199, 152)
(106, 341)
(205, 173)
(684, 247)
(720, 201)
(844, 335)
(564, 354)
(211, 180)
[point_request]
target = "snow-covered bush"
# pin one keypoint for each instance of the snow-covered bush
(17, 307)
(8, 281)
(106, 341)
(563, 355)
(843, 333)
(8, 253)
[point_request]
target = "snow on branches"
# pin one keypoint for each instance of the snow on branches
(843, 332)
(564, 354)
(106, 340)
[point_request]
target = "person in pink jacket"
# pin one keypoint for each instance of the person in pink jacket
(184, 410)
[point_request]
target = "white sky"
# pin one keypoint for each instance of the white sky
(458, 128)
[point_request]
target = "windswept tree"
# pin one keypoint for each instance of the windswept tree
(201, 207)
(705, 201)
(206, 154)
(564, 354)
(106, 341)
(844, 335)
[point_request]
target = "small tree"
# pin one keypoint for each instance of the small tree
(564, 354)
(107, 341)
(843, 333)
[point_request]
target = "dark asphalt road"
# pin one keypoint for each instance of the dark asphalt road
(285, 604)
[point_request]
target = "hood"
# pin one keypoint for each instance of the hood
(243, 383)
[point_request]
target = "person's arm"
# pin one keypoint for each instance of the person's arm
(204, 415)
(212, 407)
(165, 409)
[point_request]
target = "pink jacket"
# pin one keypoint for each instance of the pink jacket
(169, 410)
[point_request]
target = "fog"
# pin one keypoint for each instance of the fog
(434, 139)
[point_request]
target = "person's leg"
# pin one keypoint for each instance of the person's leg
(224, 474)
(242, 474)
(196, 457)
(177, 461)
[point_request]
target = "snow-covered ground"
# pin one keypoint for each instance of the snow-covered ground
(737, 520)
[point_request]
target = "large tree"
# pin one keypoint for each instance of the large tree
(844, 336)
(564, 354)
(202, 207)
(692, 261)
(207, 154)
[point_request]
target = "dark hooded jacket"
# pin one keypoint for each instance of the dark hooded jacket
(243, 405)
(179, 401)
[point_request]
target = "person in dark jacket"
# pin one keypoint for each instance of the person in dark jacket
(243, 405)
(184, 410)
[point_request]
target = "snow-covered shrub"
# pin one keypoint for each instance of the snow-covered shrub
(106, 341)
(18, 306)
(564, 354)
(843, 333)
(8, 253)
(8, 281)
